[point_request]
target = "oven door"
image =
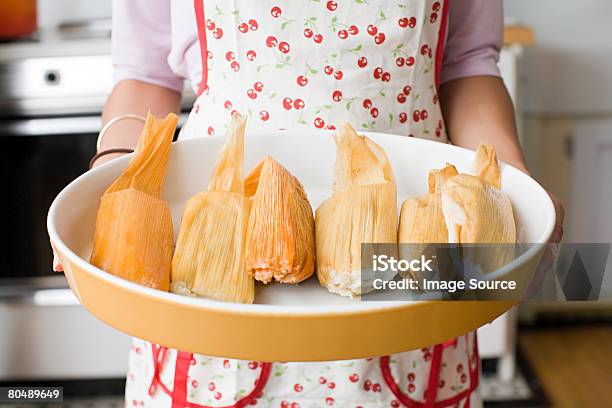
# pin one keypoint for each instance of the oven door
(45, 333)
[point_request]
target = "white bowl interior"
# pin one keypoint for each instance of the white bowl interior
(310, 157)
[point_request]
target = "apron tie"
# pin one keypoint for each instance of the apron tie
(181, 370)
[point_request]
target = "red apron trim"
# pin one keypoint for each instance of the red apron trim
(201, 24)
(179, 391)
(158, 362)
(434, 372)
(441, 42)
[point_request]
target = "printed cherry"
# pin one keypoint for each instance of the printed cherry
(264, 116)
(276, 11)
(329, 401)
(337, 96)
(319, 123)
(211, 386)
(380, 38)
(463, 378)
(401, 98)
(362, 62)
(424, 114)
(332, 5)
(217, 33)
(411, 388)
(367, 385)
(210, 24)
(195, 383)
(459, 368)
(235, 66)
(412, 22)
(229, 55)
(378, 73)
(331, 385)
(386, 77)
(328, 70)
(353, 30)
(217, 395)
(416, 116)
(367, 103)
(330, 127)
(251, 55)
(298, 104)
(271, 41)
(395, 404)
(343, 34)
(436, 6)
(252, 94)
(226, 363)
(433, 17)
(403, 117)
(400, 61)
(410, 61)
(258, 86)
(424, 49)
(441, 384)
(372, 29)
(411, 377)
(374, 112)
(284, 404)
(295, 405)
(302, 80)
(354, 377)
(298, 387)
(253, 25)
(227, 105)
(209, 54)
(253, 364)
(318, 38)
(377, 387)
(284, 47)
(287, 103)
(308, 33)
(338, 75)
(403, 22)
(407, 89)
(322, 380)
(243, 28)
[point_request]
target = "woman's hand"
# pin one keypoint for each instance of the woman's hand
(557, 233)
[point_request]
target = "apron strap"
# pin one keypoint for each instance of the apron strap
(441, 41)
(201, 24)
(159, 356)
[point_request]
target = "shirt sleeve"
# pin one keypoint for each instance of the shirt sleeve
(474, 39)
(141, 42)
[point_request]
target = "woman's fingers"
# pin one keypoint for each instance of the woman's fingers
(557, 233)
(57, 265)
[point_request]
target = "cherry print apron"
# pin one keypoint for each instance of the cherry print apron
(315, 63)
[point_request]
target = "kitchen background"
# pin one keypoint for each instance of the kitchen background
(557, 65)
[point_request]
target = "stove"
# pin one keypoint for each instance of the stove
(53, 86)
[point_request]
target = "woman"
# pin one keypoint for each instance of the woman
(422, 68)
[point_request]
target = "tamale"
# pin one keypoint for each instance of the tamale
(486, 166)
(421, 219)
(362, 209)
(280, 235)
(133, 237)
(209, 259)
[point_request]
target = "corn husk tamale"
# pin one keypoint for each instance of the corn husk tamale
(209, 259)
(421, 218)
(280, 237)
(477, 212)
(362, 209)
(133, 237)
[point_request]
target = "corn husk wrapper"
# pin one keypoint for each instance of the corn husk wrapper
(421, 218)
(362, 209)
(477, 212)
(133, 237)
(209, 259)
(280, 235)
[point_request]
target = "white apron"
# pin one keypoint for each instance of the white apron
(315, 63)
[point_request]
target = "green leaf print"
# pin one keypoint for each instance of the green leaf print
(218, 10)
(328, 107)
(284, 24)
(279, 66)
(382, 15)
(364, 125)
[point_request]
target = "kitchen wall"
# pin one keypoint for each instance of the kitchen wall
(53, 12)
(567, 109)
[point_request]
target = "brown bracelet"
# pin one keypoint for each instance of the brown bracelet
(105, 152)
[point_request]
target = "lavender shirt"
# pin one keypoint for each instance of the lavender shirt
(156, 41)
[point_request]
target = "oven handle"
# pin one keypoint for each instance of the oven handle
(74, 125)
(41, 297)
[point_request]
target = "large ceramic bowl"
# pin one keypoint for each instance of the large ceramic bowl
(286, 323)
